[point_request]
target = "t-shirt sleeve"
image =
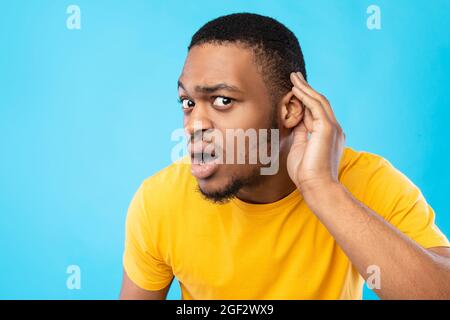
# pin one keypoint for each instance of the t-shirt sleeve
(391, 194)
(142, 260)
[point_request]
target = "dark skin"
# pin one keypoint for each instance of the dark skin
(308, 164)
(250, 107)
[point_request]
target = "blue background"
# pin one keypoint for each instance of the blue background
(86, 115)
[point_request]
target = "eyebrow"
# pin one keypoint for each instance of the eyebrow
(211, 89)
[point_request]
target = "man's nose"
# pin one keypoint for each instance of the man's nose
(197, 120)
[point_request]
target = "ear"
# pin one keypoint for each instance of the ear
(292, 110)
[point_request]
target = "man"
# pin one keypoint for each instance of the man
(329, 217)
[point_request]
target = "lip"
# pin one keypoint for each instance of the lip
(204, 170)
(199, 147)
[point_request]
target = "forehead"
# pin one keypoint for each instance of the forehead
(209, 64)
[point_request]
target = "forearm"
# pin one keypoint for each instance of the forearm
(407, 269)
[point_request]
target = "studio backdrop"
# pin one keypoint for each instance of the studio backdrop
(88, 103)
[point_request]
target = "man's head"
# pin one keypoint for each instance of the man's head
(236, 76)
(276, 49)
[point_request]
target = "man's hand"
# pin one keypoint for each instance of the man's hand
(365, 237)
(313, 162)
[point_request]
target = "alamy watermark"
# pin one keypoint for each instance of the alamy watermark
(73, 21)
(230, 146)
(73, 281)
(373, 281)
(373, 21)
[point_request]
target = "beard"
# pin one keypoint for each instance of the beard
(231, 190)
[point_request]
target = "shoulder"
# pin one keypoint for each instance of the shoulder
(376, 182)
(169, 184)
(356, 162)
(370, 169)
(158, 205)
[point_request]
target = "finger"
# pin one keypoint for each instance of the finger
(308, 120)
(312, 104)
(300, 82)
(300, 133)
(325, 103)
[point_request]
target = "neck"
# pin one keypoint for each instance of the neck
(270, 188)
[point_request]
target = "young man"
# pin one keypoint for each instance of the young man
(325, 220)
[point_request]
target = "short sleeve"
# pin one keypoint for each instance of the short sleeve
(141, 259)
(391, 194)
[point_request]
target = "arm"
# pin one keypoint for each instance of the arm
(146, 275)
(130, 291)
(407, 269)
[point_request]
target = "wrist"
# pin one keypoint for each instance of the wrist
(321, 196)
(313, 186)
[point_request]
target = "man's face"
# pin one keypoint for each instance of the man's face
(221, 88)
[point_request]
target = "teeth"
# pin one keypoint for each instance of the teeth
(202, 157)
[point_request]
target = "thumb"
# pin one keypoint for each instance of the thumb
(300, 134)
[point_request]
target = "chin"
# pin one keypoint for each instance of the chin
(219, 190)
(213, 184)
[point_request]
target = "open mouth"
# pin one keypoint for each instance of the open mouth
(203, 157)
(204, 164)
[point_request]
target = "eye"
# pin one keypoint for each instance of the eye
(186, 103)
(222, 102)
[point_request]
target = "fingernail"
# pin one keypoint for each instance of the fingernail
(300, 75)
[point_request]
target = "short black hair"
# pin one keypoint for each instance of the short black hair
(276, 48)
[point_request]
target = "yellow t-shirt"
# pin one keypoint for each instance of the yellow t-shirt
(261, 251)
